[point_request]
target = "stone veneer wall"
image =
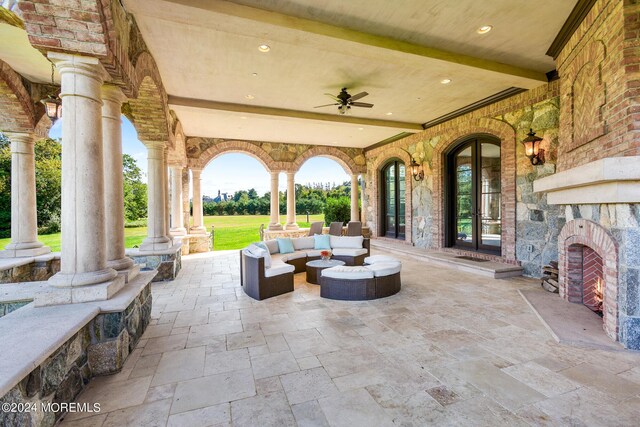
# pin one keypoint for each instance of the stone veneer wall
(622, 221)
(35, 271)
(99, 348)
(528, 222)
(167, 264)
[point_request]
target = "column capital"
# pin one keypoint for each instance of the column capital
(112, 93)
(153, 145)
(195, 171)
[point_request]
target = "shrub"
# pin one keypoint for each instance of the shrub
(338, 209)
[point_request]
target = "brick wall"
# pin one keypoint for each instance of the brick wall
(599, 71)
(18, 110)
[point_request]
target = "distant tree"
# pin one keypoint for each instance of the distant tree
(135, 191)
(337, 210)
(253, 194)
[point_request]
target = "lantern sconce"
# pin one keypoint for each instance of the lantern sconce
(52, 104)
(416, 170)
(532, 148)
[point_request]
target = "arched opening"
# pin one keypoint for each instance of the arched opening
(393, 197)
(236, 198)
(319, 179)
(473, 195)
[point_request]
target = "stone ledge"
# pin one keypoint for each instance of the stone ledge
(31, 334)
(610, 180)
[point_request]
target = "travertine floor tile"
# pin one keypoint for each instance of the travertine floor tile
(454, 350)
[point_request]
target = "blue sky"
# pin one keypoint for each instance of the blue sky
(233, 171)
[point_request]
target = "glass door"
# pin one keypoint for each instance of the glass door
(393, 180)
(475, 211)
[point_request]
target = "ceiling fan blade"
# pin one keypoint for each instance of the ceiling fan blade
(361, 104)
(358, 96)
(326, 105)
(335, 98)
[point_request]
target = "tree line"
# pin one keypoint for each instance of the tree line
(48, 165)
(329, 198)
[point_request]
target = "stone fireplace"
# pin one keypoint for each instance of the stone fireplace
(589, 270)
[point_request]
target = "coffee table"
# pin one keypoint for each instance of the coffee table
(315, 267)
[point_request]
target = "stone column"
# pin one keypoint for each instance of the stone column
(363, 206)
(24, 219)
(112, 98)
(355, 213)
(157, 239)
(84, 248)
(275, 203)
(177, 225)
(186, 207)
(167, 200)
(291, 202)
(198, 220)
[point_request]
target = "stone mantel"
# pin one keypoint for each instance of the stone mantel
(610, 180)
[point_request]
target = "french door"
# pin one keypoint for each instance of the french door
(393, 185)
(474, 196)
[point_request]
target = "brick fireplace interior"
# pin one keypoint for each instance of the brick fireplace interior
(585, 277)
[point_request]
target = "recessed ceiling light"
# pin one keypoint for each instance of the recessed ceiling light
(418, 98)
(264, 48)
(360, 128)
(249, 96)
(389, 113)
(445, 81)
(254, 74)
(484, 29)
(243, 117)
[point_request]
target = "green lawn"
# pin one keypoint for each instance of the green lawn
(231, 232)
(235, 232)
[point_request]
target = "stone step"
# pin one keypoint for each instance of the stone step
(493, 269)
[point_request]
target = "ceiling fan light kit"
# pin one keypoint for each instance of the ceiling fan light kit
(345, 101)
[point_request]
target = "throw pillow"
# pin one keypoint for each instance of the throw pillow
(321, 241)
(259, 252)
(285, 245)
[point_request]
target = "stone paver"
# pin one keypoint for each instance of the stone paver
(451, 348)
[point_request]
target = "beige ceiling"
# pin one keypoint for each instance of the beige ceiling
(208, 51)
(26, 60)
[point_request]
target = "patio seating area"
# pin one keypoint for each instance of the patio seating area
(452, 348)
(472, 256)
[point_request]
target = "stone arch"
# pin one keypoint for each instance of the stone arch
(148, 109)
(332, 153)
(178, 153)
(507, 136)
(588, 233)
(380, 162)
(235, 146)
(19, 113)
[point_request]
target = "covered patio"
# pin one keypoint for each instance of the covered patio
(489, 148)
(456, 349)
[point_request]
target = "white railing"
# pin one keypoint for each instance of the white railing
(9, 4)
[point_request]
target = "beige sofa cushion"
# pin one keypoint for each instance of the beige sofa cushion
(349, 252)
(381, 269)
(302, 243)
(347, 272)
(346, 242)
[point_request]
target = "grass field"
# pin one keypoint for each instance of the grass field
(231, 232)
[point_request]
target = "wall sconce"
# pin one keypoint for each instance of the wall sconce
(532, 148)
(417, 171)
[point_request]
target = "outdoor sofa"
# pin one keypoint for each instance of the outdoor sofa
(265, 271)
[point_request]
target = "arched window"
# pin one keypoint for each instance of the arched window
(474, 217)
(393, 197)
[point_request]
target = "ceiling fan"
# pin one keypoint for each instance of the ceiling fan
(344, 101)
